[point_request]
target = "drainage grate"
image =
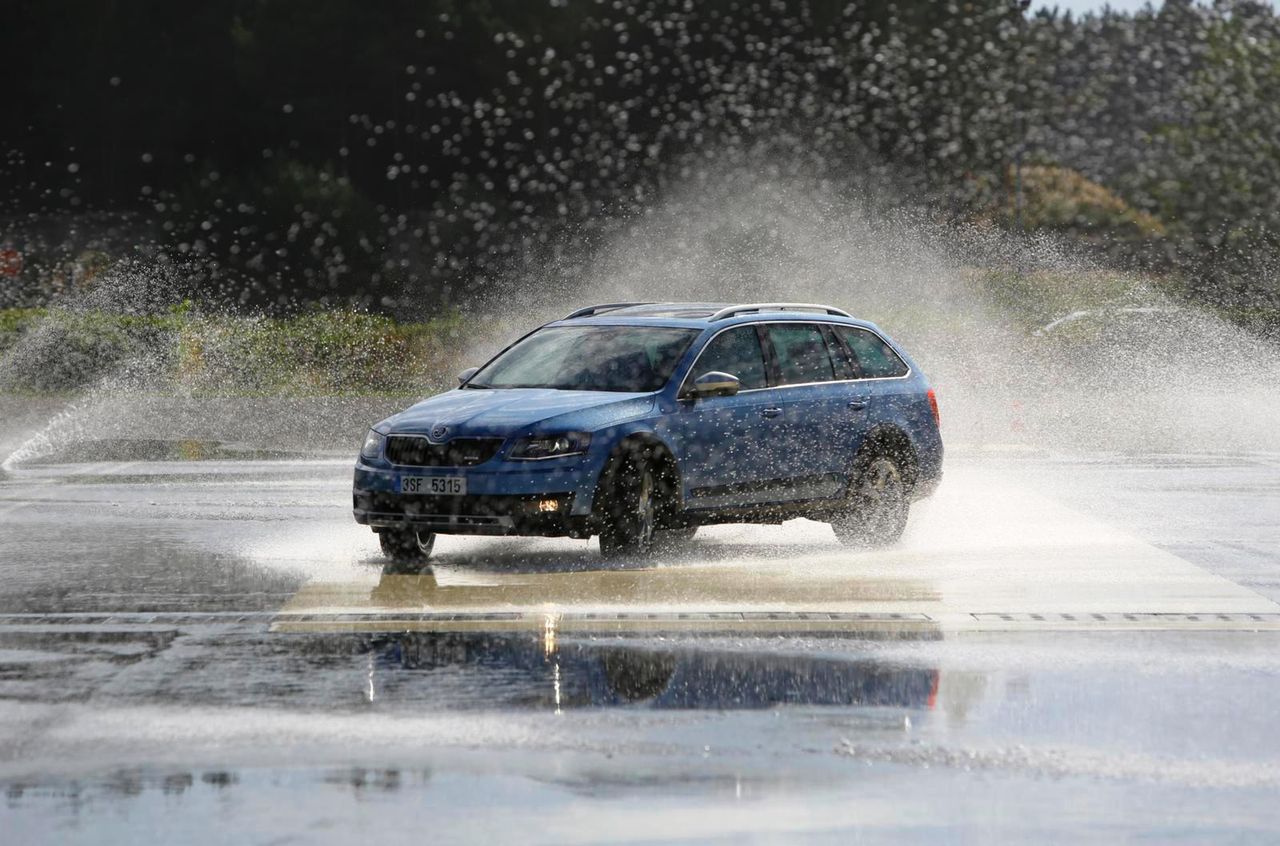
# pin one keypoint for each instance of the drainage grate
(222, 618)
(1137, 617)
(705, 621)
(586, 621)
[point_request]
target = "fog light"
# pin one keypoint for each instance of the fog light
(545, 505)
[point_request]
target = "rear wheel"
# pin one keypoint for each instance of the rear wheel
(406, 546)
(876, 509)
(630, 515)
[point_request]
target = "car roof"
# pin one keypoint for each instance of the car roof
(703, 315)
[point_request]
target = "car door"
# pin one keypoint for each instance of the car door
(816, 412)
(729, 447)
(850, 420)
(880, 378)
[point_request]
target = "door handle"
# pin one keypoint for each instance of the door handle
(859, 403)
(771, 411)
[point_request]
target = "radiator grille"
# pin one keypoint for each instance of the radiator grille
(460, 452)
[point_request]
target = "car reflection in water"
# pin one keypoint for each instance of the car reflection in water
(493, 671)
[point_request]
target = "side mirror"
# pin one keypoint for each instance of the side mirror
(466, 375)
(716, 384)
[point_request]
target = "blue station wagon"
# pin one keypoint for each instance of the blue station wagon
(640, 422)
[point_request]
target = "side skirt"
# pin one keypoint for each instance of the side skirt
(816, 509)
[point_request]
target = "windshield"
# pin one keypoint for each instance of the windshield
(589, 358)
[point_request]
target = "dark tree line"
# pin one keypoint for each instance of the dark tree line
(410, 153)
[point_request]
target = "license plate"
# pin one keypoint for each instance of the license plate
(435, 485)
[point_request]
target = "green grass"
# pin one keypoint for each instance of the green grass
(324, 353)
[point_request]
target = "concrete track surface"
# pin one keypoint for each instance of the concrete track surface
(208, 650)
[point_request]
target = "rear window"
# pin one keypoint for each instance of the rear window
(875, 358)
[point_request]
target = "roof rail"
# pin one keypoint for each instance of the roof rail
(733, 311)
(596, 309)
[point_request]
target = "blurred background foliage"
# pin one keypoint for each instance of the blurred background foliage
(411, 156)
(182, 351)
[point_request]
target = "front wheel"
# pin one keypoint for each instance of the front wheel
(406, 546)
(631, 514)
(875, 512)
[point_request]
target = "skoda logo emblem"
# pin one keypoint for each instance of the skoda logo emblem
(438, 432)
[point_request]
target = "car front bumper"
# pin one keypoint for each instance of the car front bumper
(503, 498)
(542, 514)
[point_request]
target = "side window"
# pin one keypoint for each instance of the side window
(736, 351)
(801, 352)
(840, 358)
(876, 359)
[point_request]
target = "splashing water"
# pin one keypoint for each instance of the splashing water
(978, 309)
(1138, 371)
(42, 443)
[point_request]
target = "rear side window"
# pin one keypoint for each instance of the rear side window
(737, 352)
(841, 358)
(801, 352)
(875, 358)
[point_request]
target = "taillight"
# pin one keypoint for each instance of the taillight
(933, 406)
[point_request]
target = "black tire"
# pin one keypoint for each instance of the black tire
(878, 503)
(629, 517)
(406, 546)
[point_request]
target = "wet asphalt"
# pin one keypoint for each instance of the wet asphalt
(198, 645)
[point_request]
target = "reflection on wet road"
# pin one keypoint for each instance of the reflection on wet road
(434, 672)
(412, 666)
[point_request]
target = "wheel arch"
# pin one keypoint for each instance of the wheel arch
(640, 443)
(888, 439)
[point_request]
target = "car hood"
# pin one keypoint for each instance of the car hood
(512, 411)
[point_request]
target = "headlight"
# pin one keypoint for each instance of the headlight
(372, 445)
(551, 446)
